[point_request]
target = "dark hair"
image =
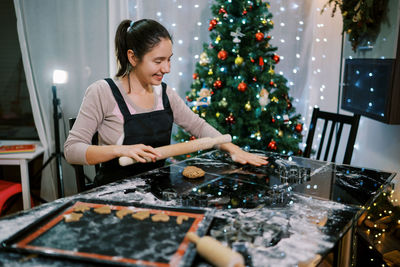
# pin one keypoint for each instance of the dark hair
(141, 37)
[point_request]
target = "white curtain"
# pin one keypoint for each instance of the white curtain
(68, 35)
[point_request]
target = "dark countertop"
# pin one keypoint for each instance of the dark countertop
(276, 215)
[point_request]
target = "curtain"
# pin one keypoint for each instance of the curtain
(68, 35)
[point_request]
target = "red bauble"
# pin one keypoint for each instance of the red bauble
(299, 127)
(252, 60)
(230, 119)
(222, 54)
(188, 99)
(212, 24)
(217, 84)
(195, 76)
(276, 58)
(268, 36)
(222, 10)
(254, 79)
(259, 36)
(192, 138)
(244, 12)
(242, 87)
(271, 83)
(273, 120)
(272, 145)
(289, 105)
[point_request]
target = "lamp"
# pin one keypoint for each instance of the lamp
(59, 77)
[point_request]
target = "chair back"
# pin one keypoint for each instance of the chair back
(337, 122)
(83, 182)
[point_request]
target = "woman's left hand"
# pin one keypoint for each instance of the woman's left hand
(243, 157)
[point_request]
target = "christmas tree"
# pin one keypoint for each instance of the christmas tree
(235, 87)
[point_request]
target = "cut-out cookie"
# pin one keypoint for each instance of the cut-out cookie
(121, 213)
(72, 217)
(103, 210)
(160, 217)
(181, 218)
(81, 207)
(193, 172)
(141, 215)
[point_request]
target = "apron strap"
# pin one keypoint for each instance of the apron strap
(119, 98)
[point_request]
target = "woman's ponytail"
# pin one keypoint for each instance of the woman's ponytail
(121, 48)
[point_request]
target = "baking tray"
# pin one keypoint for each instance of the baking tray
(107, 239)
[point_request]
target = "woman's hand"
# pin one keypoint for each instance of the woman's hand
(243, 157)
(140, 152)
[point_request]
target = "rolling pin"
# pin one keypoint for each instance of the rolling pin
(216, 253)
(182, 148)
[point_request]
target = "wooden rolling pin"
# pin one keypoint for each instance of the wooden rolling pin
(216, 253)
(182, 148)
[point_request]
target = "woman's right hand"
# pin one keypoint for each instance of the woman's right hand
(139, 152)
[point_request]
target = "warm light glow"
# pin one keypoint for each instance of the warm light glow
(60, 76)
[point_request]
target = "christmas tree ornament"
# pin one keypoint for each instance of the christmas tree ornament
(254, 79)
(192, 138)
(285, 119)
(242, 87)
(204, 98)
(289, 105)
(272, 145)
(268, 36)
(252, 60)
(222, 54)
(274, 99)
(239, 60)
(217, 114)
(223, 103)
(280, 133)
(247, 106)
(271, 83)
(264, 99)
(244, 12)
(276, 58)
(217, 84)
(210, 71)
(261, 62)
(299, 127)
(259, 36)
(203, 114)
(236, 35)
(194, 109)
(271, 22)
(204, 60)
(230, 119)
(257, 134)
(264, 22)
(222, 10)
(273, 120)
(212, 24)
(195, 76)
(188, 99)
(218, 39)
(271, 71)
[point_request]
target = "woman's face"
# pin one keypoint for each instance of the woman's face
(155, 63)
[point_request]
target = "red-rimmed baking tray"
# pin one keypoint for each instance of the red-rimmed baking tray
(105, 238)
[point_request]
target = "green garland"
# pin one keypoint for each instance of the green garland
(361, 18)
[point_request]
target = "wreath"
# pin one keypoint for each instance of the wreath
(361, 18)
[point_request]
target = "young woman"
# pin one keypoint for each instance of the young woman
(134, 112)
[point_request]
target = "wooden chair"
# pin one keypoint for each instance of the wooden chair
(83, 182)
(337, 122)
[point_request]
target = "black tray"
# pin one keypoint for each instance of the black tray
(106, 239)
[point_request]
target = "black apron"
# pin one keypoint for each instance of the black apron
(152, 129)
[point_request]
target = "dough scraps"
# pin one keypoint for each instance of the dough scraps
(160, 217)
(193, 172)
(181, 218)
(121, 213)
(81, 207)
(103, 210)
(141, 215)
(72, 217)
